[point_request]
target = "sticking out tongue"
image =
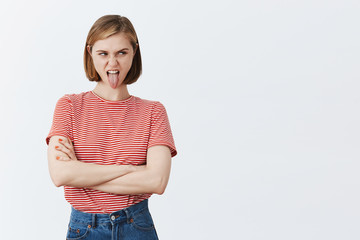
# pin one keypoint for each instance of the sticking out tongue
(113, 79)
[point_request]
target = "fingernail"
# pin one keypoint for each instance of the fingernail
(57, 158)
(60, 139)
(56, 147)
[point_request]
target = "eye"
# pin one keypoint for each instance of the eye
(122, 53)
(102, 54)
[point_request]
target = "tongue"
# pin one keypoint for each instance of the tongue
(113, 79)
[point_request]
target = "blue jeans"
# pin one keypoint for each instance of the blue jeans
(134, 222)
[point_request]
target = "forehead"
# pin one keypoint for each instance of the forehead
(116, 41)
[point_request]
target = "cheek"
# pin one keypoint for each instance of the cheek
(126, 63)
(98, 64)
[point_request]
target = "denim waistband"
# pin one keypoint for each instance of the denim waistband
(93, 219)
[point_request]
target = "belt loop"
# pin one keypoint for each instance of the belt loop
(128, 215)
(93, 220)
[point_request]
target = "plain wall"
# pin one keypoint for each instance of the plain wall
(262, 96)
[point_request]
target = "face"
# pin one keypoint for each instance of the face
(112, 59)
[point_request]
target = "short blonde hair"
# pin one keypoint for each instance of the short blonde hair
(105, 27)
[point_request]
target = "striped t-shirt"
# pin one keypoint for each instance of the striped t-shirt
(109, 132)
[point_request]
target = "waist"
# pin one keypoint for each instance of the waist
(92, 201)
(93, 219)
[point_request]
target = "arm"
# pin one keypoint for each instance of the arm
(68, 171)
(152, 179)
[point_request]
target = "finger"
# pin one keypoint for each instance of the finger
(70, 152)
(65, 143)
(63, 149)
(62, 158)
(70, 146)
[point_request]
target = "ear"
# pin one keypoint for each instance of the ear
(88, 48)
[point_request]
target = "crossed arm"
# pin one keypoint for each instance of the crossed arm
(66, 170)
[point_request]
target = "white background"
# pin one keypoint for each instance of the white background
(262, 96)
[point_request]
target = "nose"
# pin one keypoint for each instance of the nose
(113, 61)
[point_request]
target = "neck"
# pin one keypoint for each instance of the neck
(108, 93)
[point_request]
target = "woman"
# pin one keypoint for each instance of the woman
(109, 149)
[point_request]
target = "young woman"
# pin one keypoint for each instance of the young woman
(109, 149)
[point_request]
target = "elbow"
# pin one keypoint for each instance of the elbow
(159, 191)
(58, 182)
(60, 173)
(58, 179)
(160, 186)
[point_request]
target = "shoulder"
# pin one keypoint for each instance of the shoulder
(73, 99)
(152, 105)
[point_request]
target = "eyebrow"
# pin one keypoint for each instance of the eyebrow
(116, 51)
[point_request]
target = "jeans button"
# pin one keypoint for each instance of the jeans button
(113, 217)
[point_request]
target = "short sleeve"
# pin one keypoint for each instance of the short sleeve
(62, 119)
(160, 131)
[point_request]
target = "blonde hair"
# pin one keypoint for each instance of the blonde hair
(105, 27)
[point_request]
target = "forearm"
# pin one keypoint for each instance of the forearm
(80, 174)
(152, 178)
(66, 170)
(138, 182)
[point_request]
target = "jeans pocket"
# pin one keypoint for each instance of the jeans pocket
(78, 231)
(143, 220)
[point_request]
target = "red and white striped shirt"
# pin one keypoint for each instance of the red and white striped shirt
(109, 132)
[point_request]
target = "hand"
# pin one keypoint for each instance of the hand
(66, 146)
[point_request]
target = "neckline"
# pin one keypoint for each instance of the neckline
(111, 101)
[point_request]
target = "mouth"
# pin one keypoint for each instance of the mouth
(112, 72)
(113, 77)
